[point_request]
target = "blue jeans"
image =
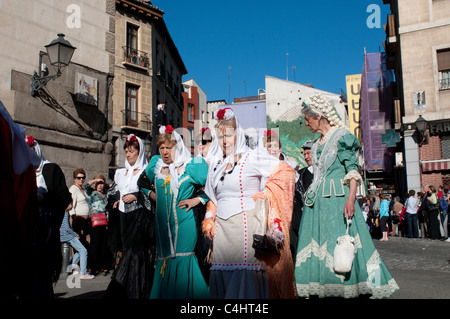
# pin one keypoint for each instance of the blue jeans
(413, 228)
(80, 254)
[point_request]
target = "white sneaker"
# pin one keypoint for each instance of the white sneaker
(448, 239)
(86, 276)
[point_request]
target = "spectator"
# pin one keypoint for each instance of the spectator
(433, 207)
(384, 215)
(80, 207)
(396, 209)
(98, 248)
(411, 214)
(443, 203)
(67, 235)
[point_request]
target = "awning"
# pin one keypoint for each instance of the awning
(437, 165)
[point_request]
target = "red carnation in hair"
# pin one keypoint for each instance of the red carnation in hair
(225, 114)
(220, 114)
(30, 140)
(169, 129)
(131, 138)
(270, 133)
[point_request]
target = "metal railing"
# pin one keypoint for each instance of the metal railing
(136, 57)
(138, 120)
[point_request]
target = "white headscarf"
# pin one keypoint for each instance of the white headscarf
(22, 155)
(40, 180)
(140, 163)
(182, 156)
(214, 149)
(239, 148)
(38, 151)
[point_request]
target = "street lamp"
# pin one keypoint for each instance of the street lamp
(421, 126)
(60, 53)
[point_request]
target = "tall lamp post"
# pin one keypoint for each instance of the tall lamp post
(421, 127)
(60, 53)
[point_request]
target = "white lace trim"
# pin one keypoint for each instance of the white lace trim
(160, 164)
(370, 286)
(350, 291)
(354, 174)
(327, 135)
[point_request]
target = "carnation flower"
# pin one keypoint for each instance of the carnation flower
(131, 138)
(30, 140)
(225, 114)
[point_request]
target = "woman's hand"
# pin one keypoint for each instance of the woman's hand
(208, 228)
(189, 203)
(129, 198)
(349, 208)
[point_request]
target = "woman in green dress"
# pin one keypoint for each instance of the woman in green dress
(176, 176)
(329, 202)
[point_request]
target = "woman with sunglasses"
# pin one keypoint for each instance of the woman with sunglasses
(80, 207)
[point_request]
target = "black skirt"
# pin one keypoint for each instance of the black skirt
(134, 274)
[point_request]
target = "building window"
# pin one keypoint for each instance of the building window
(131, 106)
(191, 137)
(445, 146)
(190, 112)
(132, 37)
(444, 80)
(443, 58)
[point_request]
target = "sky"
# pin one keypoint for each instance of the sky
(228, 47)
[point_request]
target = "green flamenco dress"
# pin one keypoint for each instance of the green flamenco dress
(323, 221)
(177, 272)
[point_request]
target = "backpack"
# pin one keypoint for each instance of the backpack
(443, 203)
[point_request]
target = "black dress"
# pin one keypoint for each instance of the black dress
(304, 180)
(133, 276)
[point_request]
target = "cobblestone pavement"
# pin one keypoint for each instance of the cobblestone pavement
(421, 268)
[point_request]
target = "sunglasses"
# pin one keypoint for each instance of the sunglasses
(80, 177)
(204, 142)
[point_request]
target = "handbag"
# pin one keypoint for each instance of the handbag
(265, 244)
(99, 219)
(344, 252)
(144, 182)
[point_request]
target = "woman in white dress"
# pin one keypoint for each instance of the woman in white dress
(234, 187)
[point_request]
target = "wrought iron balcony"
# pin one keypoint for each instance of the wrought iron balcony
(135, 57)
(138, 120)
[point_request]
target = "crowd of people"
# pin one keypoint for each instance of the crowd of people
(231, 222)
(421, 215)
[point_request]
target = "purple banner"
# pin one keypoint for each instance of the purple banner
(376, 112)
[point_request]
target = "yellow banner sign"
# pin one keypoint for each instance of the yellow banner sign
(353, 97)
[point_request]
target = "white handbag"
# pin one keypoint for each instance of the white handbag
(344, 252)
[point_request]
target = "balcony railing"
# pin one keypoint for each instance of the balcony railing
(135, 57)
(137, 120)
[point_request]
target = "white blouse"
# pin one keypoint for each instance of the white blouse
(79, 202)
(235, 193)
(121, 185)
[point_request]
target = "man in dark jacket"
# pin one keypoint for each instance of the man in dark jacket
(302, 184)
